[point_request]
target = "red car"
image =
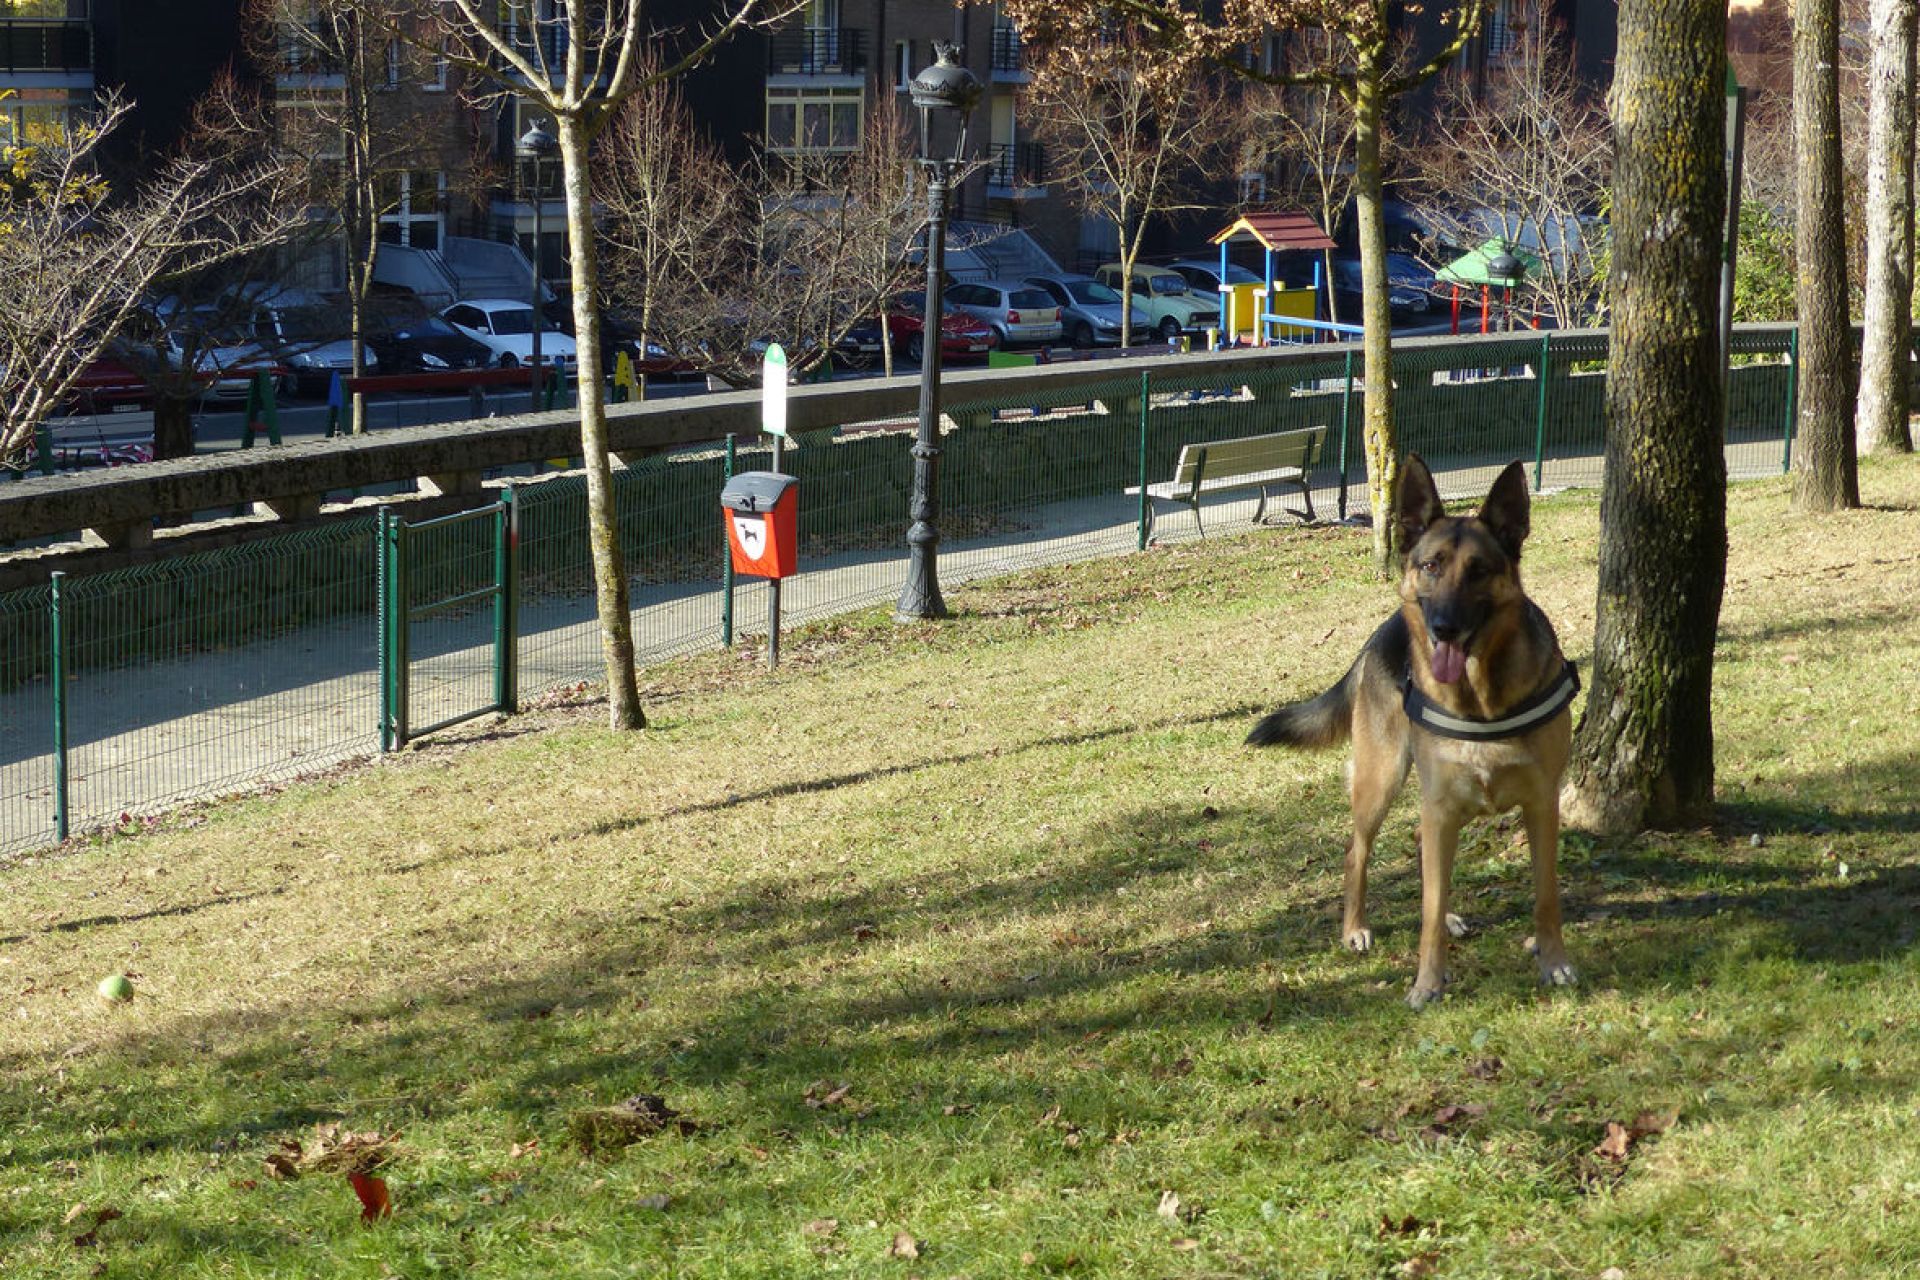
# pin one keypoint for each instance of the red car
(962, 337)
(109, 385)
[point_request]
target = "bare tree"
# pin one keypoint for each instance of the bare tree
(799, 249)
(1825, 477)
(79, 259)
(1528, 158)
(1306, 131)
(1881, 416)
(882, 186)
(1130, 146)
(350, 120)
(580, 62)
(667, 196)
(1369, 65)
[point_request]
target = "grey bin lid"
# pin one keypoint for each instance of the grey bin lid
(755, 490)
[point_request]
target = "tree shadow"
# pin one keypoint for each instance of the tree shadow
(1019, 985)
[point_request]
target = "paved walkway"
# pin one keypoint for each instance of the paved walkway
(148, 736)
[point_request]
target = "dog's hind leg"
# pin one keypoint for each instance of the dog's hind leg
(1374, 778)
(1543, 843)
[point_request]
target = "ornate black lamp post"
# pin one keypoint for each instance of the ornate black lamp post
(945, 95)
(535, 150)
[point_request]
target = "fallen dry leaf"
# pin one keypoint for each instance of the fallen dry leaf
(1185, 1244)
(520, 1150)
(1169, 1206)
(374, 1201)
(1614, 1145)
(903, 1246)
(1420, 1265)
(73, 1215)
(821, 1227)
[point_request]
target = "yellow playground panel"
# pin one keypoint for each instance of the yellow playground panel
(1242, 306)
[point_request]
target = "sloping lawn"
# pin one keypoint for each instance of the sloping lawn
(986, 950)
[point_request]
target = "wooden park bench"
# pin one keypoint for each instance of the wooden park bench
(1283, 458)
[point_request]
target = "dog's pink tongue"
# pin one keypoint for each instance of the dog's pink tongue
(1449, 663)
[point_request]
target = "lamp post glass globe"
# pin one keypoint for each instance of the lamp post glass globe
(944, 92)
(535, 148)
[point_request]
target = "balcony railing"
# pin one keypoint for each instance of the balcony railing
(815, 51)
(1023, 164)
(1008, 57)
(306, 52)
(53, 45)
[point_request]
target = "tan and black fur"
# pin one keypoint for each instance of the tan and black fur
(1460, 587)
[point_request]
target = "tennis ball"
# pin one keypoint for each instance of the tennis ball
(115, 989)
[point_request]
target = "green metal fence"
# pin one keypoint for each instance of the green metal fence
(126, 692)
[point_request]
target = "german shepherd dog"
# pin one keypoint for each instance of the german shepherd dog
(1466, 683)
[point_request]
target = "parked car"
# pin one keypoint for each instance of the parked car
(426, 344)
(1410, 286)
(1203, 277)
(305, 332)
(962, 336)
(224, 360)
(1172, 308)
(1090, 313)
(109, 385)
(504, 326)
(1016, 312)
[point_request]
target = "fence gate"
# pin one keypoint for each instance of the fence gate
(447, 627)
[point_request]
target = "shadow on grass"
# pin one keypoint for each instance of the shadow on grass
(821, 1005)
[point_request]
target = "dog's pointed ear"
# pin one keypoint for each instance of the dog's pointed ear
(1507, 510)
(1417, 503)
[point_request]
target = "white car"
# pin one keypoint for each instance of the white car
(504, 326)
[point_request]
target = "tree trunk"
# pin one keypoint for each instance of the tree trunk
(1881, 418)
(172, 426)
(1824, 475)
(1376, 317)
(1643, 754)
(603, 532)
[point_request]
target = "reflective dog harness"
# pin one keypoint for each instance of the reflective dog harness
(1536, 710)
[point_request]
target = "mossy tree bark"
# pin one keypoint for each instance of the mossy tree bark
(1825, 477)
(1643, 753)
(1881, 417)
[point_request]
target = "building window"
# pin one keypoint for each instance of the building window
(415, 204)
(438, 81)
(1253, 189)
(1506, 23)
(806, 118)
(396, 63)
(902, 63)
(1273, 53)
(37, 117)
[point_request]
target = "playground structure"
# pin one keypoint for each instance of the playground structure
(1268, 314)
(1494, 265)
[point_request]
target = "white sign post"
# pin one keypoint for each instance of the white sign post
(773, 421)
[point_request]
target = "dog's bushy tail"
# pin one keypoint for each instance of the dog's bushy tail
(1325, 721)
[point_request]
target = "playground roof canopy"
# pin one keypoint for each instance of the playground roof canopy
(1473, 267)
(1278, 231)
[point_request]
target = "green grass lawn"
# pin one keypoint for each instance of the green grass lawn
(989, 943)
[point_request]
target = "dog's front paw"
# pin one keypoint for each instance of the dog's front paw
(1426, 992)
(1359, 940)
(1559, 974)
(1456, 926)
